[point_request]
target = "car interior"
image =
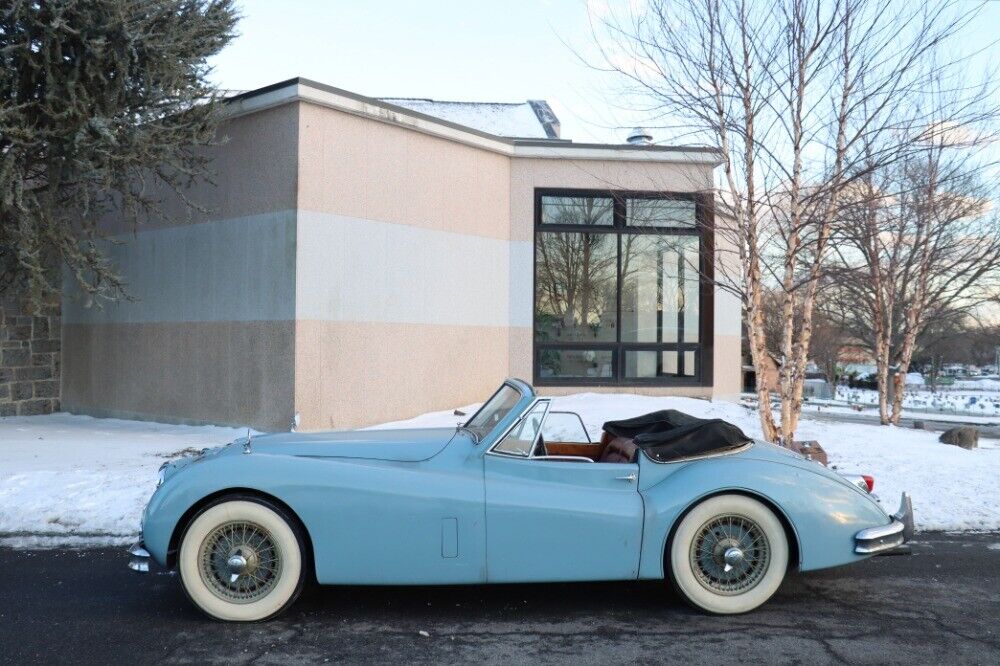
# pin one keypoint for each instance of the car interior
(610, 449)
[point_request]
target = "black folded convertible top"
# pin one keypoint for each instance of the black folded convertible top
(669, 435)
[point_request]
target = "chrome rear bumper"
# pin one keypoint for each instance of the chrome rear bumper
(886, 537)
(138, 557)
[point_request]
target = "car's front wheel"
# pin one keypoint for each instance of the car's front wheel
(242, 559)
(728, 555)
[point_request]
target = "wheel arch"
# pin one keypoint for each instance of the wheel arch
(212, 498)
(794, 555)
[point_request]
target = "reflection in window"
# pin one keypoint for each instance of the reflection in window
(586, 211)
(652, 364)
(582, 363)
(575, 287)
(660, 279)
(660, 213)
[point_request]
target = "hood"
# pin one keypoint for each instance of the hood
(397, 445)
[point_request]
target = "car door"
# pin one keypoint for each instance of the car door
(552, 519)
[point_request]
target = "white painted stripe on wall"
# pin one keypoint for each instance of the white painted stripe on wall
(239, 269)
(352, 269)
(522, 283)
(728, 313)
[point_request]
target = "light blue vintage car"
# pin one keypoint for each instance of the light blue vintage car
(517, 494)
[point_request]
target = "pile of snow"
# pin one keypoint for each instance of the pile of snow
(952, 489)
(77, 480)
(973, 403)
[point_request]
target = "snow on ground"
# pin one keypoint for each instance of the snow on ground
(952, 489)
(965, 402)
(80, 480)
(980, 384)
(77, 480)
(814, 406)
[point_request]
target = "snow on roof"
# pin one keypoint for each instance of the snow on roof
(522, 120)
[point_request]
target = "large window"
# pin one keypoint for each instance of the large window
(622, 288)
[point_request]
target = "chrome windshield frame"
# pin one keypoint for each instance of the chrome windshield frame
(527, 394)
(523, 415)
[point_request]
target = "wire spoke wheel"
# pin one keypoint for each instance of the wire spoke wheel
(730, 554)
(240, 562)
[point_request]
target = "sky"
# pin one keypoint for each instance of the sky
(476, 50)
(471, 50)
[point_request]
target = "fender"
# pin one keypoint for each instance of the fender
(270, 475)
(823, 512)
(352, 509)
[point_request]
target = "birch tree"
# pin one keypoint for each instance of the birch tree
(787, 91)
(919, 248)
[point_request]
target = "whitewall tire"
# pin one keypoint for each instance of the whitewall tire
(728, 555)
(242, 559)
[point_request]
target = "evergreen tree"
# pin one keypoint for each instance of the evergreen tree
(105, 106)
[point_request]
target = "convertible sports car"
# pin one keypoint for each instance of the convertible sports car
(517, 494)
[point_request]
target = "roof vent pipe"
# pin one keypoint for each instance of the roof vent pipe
(640, 137)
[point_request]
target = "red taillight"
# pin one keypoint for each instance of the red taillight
(869, 481)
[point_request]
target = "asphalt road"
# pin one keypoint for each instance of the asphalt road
(941, 604)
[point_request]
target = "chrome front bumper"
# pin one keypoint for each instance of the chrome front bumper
(886, 537)
(138, 557)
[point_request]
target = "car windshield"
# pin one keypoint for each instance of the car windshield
(493, 411)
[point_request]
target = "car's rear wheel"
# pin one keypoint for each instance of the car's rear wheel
(728, 555)
(242, 560)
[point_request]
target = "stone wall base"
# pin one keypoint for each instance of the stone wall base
(30, 359)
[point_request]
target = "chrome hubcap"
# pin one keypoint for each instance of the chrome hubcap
(240, 562)
(733, 557)
(730, 554)
(237, 566)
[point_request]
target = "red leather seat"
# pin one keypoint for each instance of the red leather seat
(619, 450)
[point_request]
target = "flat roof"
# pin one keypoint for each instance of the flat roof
(302, 89)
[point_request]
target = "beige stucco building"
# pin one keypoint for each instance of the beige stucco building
(360, 261)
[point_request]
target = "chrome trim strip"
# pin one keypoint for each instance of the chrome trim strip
(566, 458)
(886, 537)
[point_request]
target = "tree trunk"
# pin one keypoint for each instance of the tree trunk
(882, 368)
(758, 346)
(758, 352)
(905, 358)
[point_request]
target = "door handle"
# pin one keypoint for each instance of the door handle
(630, 478)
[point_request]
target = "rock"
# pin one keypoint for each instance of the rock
(966, 437)
(811, 450)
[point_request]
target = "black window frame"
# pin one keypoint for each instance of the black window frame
(703, 229)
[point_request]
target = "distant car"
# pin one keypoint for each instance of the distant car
(518, 494)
